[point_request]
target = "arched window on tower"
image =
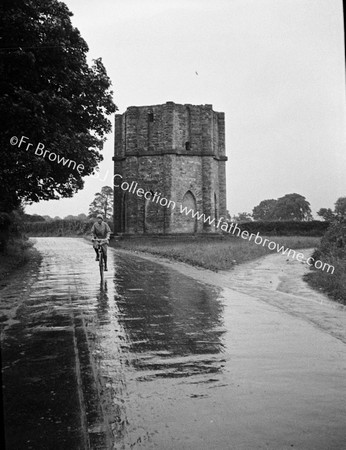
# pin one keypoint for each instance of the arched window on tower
(150, 125)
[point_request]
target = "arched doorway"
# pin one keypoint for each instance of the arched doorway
(188, 222)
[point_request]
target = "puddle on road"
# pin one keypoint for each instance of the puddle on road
(172, 323)
(146, 323)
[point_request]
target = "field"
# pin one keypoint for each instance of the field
(215, 253)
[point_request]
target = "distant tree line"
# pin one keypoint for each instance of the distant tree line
(102, 204)
(286, 228)
(71, 225)
(290, 207)
(63, 227)
(46, 218)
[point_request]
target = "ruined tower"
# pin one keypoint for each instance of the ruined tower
(168, 157)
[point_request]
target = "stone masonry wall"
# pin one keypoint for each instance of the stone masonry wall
(177, 151)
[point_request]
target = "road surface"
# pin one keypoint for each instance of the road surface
(154, 359)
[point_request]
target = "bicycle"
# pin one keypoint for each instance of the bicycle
(101, 255)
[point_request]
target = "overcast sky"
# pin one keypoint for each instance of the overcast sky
(275, 67)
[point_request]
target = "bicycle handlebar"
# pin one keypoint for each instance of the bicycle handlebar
(100, 241)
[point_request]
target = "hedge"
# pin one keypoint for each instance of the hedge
(289, 228)
(59, 228)
(80, 227)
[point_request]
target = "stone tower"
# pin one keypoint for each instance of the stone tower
(168, 157)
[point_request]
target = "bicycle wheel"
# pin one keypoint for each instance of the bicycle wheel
(101, 264)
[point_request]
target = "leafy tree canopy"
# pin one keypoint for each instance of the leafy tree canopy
(265, 210)
(70, 217)
(77, 217)
(102, 203)
(33, 218)
(49, 94)
(326, 213)
(288, 207)
(292, 207)
(340, 207)
(338, 214)
(48, 218)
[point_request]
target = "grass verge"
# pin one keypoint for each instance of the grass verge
(215, 253)
(331, 250)
(16, 255)
(333, 285)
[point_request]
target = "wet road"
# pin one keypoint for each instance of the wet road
(166, 362)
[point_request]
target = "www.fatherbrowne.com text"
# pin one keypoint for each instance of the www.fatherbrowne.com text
(39, 150)
(221, 223)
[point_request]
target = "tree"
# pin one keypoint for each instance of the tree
(50, 96)
(338, 214)
(48, 218)
(265, 210)
(70, 217)
(33, 218)
(242, 217)
(327, 214)
(292, 207)
(340, 208)
(288, 207)
(102, 204)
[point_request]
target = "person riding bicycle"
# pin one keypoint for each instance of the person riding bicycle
(101, 230)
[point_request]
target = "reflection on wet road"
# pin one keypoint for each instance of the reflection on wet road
(181, 365)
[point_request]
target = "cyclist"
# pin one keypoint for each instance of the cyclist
(101, 230)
